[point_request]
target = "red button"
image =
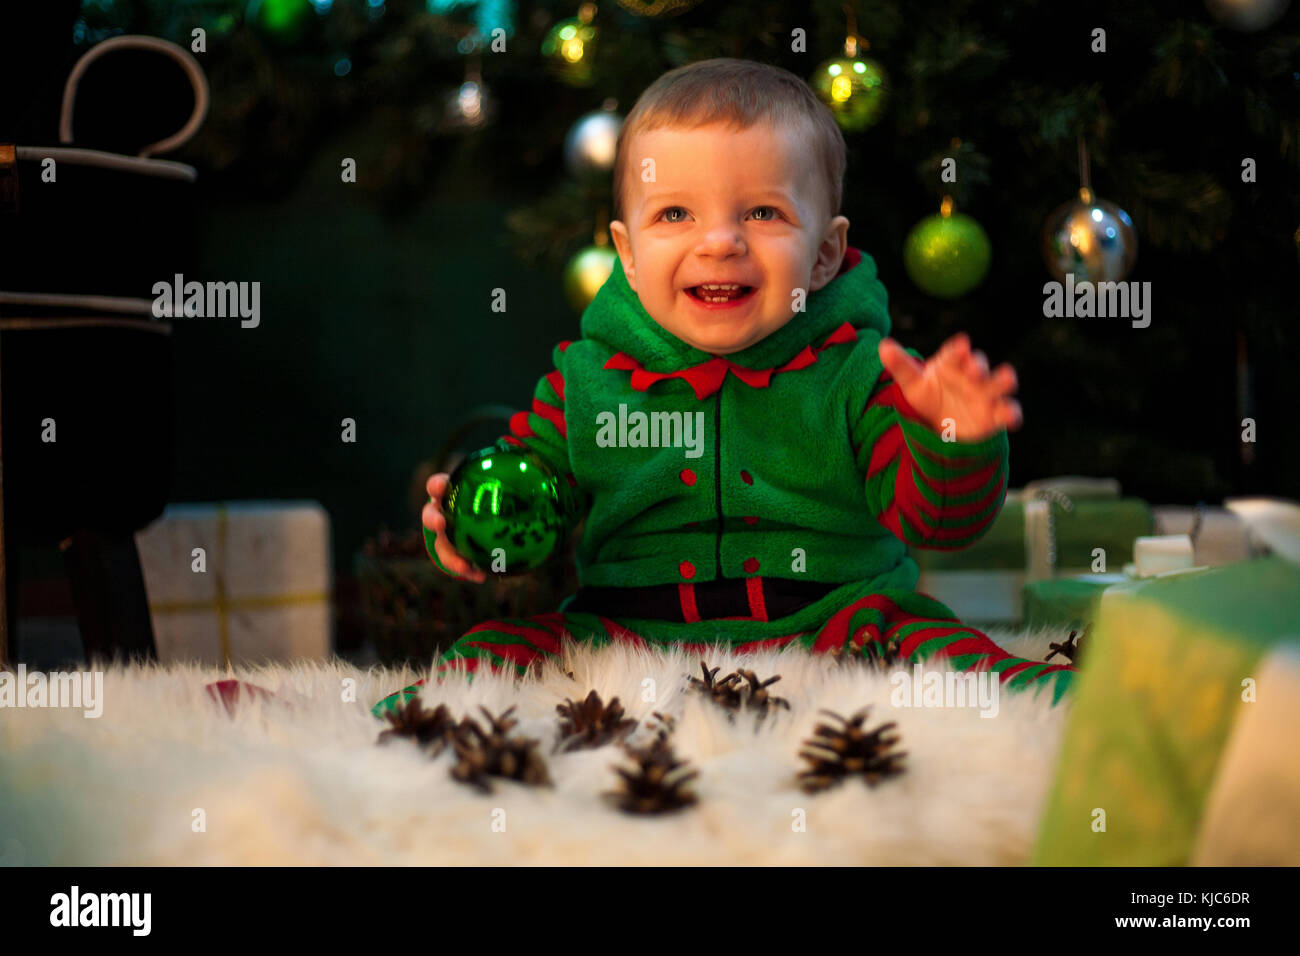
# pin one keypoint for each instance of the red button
(751, 520)
(688, 476)
(687, 569)
(692, 524)
(746, 477)
(751, 565)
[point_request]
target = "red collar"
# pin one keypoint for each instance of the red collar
(707, 377)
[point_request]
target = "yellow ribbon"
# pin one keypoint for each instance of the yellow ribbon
(223, 603)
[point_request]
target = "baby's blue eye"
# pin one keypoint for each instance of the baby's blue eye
(667, 213)
(771, 209)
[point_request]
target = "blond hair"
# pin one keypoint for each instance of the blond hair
(743, 93)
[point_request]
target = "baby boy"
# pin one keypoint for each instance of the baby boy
(736, 304)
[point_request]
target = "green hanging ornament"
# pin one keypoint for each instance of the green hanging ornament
(283, 22)
(947, 254)
(507, 511)
(853, 87)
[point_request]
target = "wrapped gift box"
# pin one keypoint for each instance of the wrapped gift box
(1222, 537)
(1164, 674)
(265, 593)
(1066, 602)
(1252, 816)
(985, 582)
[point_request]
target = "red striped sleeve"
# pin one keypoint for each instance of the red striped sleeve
(927, 491)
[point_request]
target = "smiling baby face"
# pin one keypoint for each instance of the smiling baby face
(734, 221)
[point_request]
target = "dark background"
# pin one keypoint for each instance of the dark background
(375, 295)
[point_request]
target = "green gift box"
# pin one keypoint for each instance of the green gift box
(984, 584)
(1108, 523)
(1066, 602)
(1168, 668)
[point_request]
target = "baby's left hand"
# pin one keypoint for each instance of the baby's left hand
(956, 384)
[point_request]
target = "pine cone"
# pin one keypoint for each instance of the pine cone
(757, 697)
(738, 691)
(881, 655)
(836, 752)
(723, 692)
(428, 728)
(662, 733)
(658, 782)
(481, 754)
(1071, 649)
(591, 723)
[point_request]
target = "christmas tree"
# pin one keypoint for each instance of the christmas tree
(1189, 115)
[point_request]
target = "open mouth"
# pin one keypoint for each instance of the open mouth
(720, 293)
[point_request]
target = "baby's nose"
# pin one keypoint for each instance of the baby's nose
(722, 240)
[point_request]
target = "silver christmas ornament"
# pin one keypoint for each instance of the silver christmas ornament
(592, 141)
(1091, 238)
(469, 106)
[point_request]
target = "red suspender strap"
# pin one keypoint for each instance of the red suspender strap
(757, 606)
(686, 592)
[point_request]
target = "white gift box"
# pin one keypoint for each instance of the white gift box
(241, 581)
(1221, 539)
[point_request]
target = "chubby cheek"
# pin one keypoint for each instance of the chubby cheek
(780, 295)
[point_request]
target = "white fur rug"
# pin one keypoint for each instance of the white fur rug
(301, 780)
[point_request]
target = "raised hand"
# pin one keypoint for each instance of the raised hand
(955, 383)
(435, 521)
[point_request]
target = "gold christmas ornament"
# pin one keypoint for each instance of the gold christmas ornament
(586, 273)
(568, 47)
(852, 86)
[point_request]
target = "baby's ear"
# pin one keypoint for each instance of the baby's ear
(623, 245)
(830, 254)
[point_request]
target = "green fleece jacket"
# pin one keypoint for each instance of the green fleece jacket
(795, 458)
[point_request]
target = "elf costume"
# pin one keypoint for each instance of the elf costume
(789, 527)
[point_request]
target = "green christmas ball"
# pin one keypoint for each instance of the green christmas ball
(855, 90)
(947, 255)
(507, 511)
(284, 22)
(586, 273)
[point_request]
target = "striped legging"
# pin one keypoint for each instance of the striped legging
(920, 626)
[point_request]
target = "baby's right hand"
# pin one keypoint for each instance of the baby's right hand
(434, 520)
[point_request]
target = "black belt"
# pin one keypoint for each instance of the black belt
(753, 598)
